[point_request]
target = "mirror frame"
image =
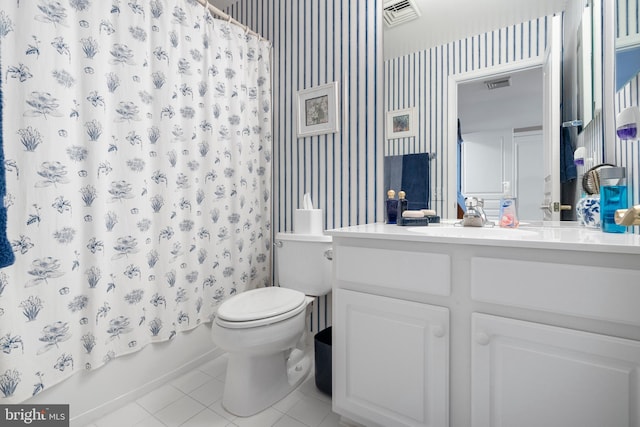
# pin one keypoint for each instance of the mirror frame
(608, 81)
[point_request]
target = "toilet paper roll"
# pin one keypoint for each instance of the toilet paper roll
(307, 221)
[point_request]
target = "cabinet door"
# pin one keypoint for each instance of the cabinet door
(527, 374)
(391, 360)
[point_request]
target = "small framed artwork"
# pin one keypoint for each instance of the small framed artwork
(401, 123)
(318, 110)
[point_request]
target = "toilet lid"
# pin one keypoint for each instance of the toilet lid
(260, 304)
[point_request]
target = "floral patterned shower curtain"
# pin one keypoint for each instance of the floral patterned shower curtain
(138, 145)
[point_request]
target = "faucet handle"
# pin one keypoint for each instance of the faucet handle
(470, 202)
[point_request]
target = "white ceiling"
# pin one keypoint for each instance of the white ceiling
(444, 21)
(516, 106)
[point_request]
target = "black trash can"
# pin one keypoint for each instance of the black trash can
(322, 343)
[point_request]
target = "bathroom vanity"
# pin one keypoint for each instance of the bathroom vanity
(461, 326)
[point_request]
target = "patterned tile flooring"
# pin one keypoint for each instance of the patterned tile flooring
(195, 400)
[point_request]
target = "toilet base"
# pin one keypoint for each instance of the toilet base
(254, 383)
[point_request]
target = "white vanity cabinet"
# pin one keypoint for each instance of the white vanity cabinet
(450, 330)
(391, 358)
(528, 374)
(533, 374)
(394, 367)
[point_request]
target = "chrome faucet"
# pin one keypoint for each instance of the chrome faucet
(475, 215)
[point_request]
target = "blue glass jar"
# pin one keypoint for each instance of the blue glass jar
(613, 196)
(391, 207)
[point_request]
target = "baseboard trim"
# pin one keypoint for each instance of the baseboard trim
(106, 408)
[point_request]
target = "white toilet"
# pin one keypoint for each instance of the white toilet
(263, 330)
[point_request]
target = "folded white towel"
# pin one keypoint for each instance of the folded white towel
(412, 214)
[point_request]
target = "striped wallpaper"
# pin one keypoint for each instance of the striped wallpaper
(627, 14)
(316, 43)
(420, 80)
(627, 153)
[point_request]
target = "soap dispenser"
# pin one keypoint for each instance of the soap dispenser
(508, 217)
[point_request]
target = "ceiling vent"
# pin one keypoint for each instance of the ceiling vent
(397, 12)
(498, 83)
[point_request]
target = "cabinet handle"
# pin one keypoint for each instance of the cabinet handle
(482, 338)
(438, 331)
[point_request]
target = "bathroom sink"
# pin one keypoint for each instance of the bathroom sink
(448, 230)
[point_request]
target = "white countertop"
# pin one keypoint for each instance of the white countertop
(558, 236)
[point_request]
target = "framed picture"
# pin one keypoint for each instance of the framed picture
(318, 110)
(402, 123)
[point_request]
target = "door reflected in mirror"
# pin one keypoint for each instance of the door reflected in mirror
(501, 131)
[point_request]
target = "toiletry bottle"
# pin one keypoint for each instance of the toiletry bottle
(508, 217)
(403, 205)
(613, 196)
(391, 207)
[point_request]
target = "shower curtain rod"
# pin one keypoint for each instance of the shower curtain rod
(215, 11)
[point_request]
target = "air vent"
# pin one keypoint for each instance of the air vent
(498, 83)
(397, 12)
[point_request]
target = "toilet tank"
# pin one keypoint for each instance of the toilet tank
(303, 262)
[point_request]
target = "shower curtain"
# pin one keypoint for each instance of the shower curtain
(137, 150)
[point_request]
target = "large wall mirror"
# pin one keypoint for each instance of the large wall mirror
(419, 80)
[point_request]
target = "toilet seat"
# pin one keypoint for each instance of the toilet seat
(260, 307)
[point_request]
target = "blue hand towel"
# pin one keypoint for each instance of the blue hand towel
(409, 173)
(568, 170)
(415, 180)
(6, 252)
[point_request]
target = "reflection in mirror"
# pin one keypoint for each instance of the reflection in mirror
(584, 55)
(420, 80)
(627, 82)
(409, 173)
(502, 141)
(627, 42)
(589, 62)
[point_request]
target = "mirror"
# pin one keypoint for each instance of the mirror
(420, 80)
(589, 62)
(585, 59)
(627, 42)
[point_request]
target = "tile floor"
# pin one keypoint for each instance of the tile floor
(195, 400)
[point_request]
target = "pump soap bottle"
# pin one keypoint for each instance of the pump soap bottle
(508, 213)
(391, 207)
